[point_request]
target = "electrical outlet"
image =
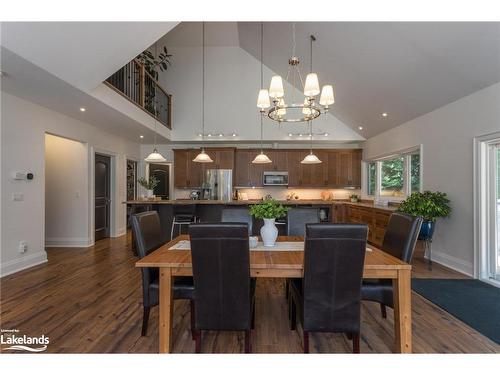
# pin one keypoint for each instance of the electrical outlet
(23, 246)
(17, 197)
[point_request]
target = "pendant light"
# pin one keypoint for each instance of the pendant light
(262, 102)
(203, 157)
(155, 156)
(311, 158)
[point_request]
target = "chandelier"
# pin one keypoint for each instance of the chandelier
(295, 111)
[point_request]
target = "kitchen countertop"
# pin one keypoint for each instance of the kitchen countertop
(298, 202)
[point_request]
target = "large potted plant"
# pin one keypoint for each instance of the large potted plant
(269, 210)
(430, 206)
(149, 185)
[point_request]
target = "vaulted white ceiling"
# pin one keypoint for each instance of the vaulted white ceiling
(405, 69)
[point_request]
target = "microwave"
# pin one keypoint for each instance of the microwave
(275, 179)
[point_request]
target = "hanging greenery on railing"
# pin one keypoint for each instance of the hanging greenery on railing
(162, 61)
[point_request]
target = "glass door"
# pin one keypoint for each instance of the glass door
(496, 221)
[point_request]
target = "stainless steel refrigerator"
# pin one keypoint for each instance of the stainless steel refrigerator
(219, 183)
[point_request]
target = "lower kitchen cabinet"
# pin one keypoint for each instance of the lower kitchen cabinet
(376, 219)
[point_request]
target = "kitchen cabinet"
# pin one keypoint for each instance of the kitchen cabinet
(187, 174)
(223, 158)
(293, 159)
(314, 175)
(246, 173)
(375, 218)
(348, 168)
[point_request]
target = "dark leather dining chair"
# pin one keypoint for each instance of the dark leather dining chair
(328, 298)
(296, 221)
(400, 239)
(225, 294)
(147, 234)
(238, 215)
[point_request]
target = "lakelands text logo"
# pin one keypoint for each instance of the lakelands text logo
(16, 341)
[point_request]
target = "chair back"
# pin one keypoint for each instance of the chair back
(297, 218)
(148, 237)
(333, 269)
(238, 215)
(221, 271)
(401, 236)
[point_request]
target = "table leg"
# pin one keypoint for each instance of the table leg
(166, 311)
(402, 311)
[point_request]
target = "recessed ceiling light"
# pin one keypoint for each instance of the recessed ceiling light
(199, 134)
(300, 135)
(141, 136)
(384, 114)
(209, 135)
(360, 127)
(82, 109)
(326, 134)
(234, 134)
(220, 135)
(290, 134)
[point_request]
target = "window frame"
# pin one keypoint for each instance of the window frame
(406, 154)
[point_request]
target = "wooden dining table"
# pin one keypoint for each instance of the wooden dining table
(282, 264)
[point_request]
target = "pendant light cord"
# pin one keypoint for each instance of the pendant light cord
(261, 84)
(154, 97)
(203, 91)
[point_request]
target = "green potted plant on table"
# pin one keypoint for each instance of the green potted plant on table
(149, 185)
(430, 206)
(269, 210)
(354, 198)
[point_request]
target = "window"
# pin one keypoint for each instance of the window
(372, 177)
(396, 176)
(392, 177)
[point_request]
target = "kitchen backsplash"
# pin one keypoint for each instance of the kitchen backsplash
(281, 193)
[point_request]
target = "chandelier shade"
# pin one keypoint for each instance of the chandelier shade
(327, 97)
(311, 87)
(276, 87)
(263, 101)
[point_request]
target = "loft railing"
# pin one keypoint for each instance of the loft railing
(135, 83)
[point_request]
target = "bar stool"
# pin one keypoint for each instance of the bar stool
(183, 215)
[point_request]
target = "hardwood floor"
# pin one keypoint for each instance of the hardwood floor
(89, 301)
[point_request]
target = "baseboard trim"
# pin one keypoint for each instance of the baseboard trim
(22, 263)
(452, 262)
(120, 232)
(68, 242)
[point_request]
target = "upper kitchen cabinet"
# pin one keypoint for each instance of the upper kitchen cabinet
(315, 175)
(223, 158)
(247, 174)
(187, 174)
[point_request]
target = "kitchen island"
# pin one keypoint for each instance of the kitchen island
(336, 211)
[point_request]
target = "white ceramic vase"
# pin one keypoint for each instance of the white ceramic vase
(269, 232)
(149, 194)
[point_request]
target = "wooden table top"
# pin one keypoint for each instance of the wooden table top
(286, 260)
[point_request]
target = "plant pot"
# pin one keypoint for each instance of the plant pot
(269, 232)
(149, 194)
(427, 230)
(354, 200)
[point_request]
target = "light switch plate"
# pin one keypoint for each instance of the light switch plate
(17, 197)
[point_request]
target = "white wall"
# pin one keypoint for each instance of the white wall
(232, 82)
(447, 164)
(24, 125)
(66, 192)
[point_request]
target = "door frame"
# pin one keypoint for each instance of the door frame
(170, 177)
(113, 195)
(482, 206)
